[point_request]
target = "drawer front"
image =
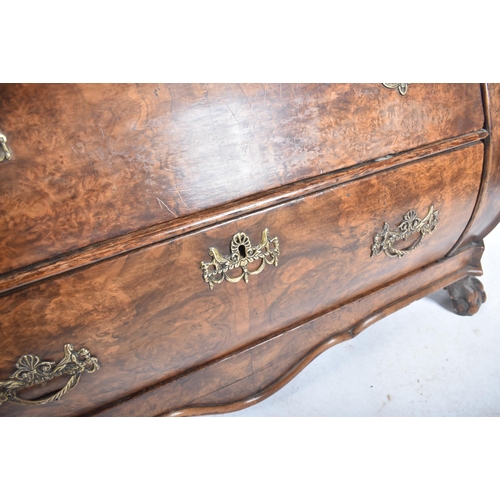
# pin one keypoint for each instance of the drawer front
(149, 315)
(91, 162)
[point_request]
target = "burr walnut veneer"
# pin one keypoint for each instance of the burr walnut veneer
(187, 249)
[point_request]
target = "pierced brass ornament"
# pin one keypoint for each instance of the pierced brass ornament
(31, 371)
(402, 87)
(411, 224)
(4, 150)
(242, 254)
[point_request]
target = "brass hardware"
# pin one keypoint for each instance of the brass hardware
(31, 371)
(242, 254)
(411, 224)
(4, 150)
(402, 87)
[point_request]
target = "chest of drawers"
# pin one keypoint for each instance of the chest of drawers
(188, 249)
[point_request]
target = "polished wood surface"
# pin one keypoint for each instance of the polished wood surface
(148, 315)
(487, 212)
(93, 162)
(115, 193)
(160, 232)
(250, 375)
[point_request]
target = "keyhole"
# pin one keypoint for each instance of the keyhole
(243, 251)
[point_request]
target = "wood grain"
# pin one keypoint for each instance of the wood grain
(148, 315)
(487, 211)
(93, 162)
(247, 377)
(159, 232)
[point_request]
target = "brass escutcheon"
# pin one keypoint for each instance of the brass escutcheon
(242, 254)
(411, 224)
(5, 154)
(31, 371)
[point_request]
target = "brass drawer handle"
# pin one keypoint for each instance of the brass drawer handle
(31, 371)
(411, 224)
(4, 150)
(242, 254)
(402, 87)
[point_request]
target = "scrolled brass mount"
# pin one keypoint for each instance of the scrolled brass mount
(31, 371)
(411, 224)
(5, 154)
(402, 87)
(242, 254)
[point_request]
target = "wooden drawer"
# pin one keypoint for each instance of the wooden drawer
(149, 315)
(92, 162)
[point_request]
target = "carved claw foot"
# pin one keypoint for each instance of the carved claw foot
(467, 296)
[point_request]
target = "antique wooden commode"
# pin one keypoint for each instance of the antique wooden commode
(187, 249)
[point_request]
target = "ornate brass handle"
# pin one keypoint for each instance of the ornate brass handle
(4, 150)
(402, 87)
(31, 371)
(411, 224)
(242, 254)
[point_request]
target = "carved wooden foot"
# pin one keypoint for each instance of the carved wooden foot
(467, 296)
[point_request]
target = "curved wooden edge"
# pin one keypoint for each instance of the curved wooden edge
(268, 391)
(335, 339)
(488, 172)
(208, 218)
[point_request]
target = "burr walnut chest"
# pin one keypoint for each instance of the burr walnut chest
(187, 249)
